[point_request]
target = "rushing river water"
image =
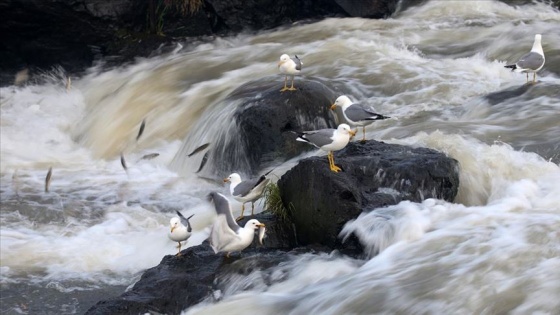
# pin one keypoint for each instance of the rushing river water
(495, 250)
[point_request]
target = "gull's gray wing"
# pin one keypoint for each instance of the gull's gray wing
(319, 137)
(358, 112)
(245, 187)
(222, 208)
(297, 61)
(185, 221)
(221, 234)
(531, 61)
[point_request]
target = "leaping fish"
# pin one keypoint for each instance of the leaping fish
(123, 163)
(48, 179)
(141, 131)
(202, 147)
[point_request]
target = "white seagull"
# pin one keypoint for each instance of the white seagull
(289, 66)
(328, 140)
(226, 235)
(531, 62)
(246, 191)
(180, 230)
(357, 114)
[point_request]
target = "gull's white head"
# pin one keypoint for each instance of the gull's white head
(174, 223)
(345, 129)
(253, 224)
(233, 178)
(342, 101)
(538, 37)
(284, 58)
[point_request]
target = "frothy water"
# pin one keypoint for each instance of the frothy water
(495, 249)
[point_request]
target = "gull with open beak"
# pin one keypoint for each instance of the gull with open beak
(226, 236)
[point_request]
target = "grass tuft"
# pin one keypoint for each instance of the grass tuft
(273, 201)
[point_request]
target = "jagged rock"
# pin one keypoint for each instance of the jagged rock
(263, 119)
(375, 174)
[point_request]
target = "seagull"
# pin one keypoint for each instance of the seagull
(328, 140)
(357, 114)
(289, 66)
(180, 229)
(531, 62)
(226, 235)
(246, 191)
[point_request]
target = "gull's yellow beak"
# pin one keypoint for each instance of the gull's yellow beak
(261, 225)
(333, 106)
(280, 63)
(352, 133)
(226, 180)
(172, 228)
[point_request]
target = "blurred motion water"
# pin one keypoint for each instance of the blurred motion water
(436, 67)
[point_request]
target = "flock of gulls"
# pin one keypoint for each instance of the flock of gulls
(226, 235)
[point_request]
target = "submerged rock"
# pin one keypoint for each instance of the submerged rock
(375, 174)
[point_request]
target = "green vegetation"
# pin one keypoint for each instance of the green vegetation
(273, 202)
(157, 9)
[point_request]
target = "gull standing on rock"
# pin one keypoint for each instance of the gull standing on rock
(531, 62)
(180, 230)
(356, 114)
(328, 140)
(246, 191)
(226, 235)
(289, 66)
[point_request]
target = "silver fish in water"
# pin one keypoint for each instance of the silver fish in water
(149, 156)
(262, 229)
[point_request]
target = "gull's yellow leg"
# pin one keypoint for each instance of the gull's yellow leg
(334, 168)
(364, 133)
(534, 77)
(252, 208)
(242, 211)
(285, 84)
(292, 88)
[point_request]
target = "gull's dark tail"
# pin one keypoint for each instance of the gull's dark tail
(513, 67)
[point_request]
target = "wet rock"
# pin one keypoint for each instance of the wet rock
(375, 174)
(263, 120)
(524, 92)
(369, 8)
(240, 15)
(279, 234)
(180, 282)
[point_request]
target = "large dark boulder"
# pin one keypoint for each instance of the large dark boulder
(180, 282)
(258, 134)
(375, 174)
